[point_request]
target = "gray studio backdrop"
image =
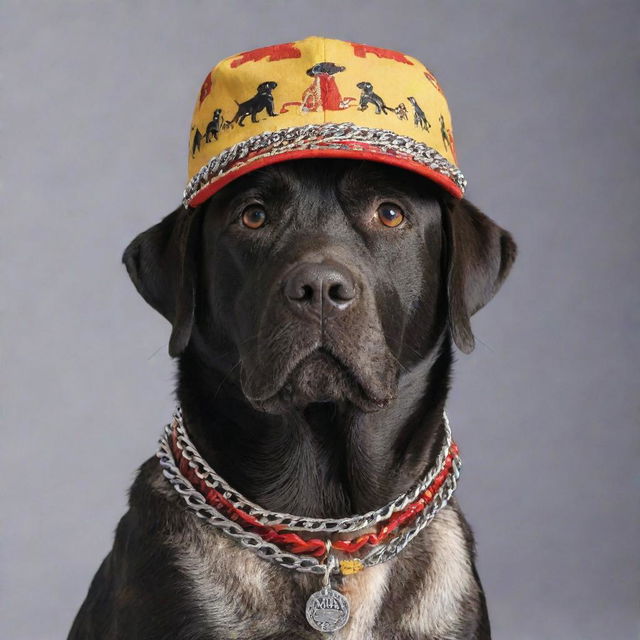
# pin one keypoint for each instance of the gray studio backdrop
(97, 100)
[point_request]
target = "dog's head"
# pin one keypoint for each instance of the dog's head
(320, 280)
(365, 87)
(267, 87)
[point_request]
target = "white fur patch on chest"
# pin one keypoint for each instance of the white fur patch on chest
(366, 592)
(448, 579)
(232, 586)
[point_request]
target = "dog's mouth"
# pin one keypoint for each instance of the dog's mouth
(321, 376)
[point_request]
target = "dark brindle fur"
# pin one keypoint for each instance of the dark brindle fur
(319, 409)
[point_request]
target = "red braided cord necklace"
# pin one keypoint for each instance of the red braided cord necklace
(293, 542)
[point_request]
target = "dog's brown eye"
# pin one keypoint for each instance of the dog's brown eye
(254, 217)
(391, 215)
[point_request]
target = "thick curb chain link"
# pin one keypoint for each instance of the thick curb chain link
(322, 136)
(296, 523)
(397, 544)
(196, 502)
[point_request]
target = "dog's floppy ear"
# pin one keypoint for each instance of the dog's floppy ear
(479, 255)
(161, 264)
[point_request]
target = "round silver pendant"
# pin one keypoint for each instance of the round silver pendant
(327, 610)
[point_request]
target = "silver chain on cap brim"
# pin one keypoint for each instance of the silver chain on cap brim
(321, 136)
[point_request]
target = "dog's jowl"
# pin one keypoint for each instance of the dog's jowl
(317, 287)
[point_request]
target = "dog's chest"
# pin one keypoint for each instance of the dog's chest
(239, 595)
(244, 597)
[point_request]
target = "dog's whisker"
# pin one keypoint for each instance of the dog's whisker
(485, 344)
(402, 366)
(155, 353)
(235, 366)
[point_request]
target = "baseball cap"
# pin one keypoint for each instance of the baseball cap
(319, 98)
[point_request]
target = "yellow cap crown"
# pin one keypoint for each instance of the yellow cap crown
(319, 97)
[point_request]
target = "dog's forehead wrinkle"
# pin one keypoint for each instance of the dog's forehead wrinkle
(320, 185)
(372, 177)
(271, 185)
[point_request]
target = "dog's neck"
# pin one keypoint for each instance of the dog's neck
(328, 460)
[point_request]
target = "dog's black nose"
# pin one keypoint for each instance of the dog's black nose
(310, 286)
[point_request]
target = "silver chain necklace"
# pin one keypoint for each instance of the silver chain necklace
(327, 610)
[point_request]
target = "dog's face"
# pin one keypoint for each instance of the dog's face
(365, 87)
(320, 280)
(317, 272)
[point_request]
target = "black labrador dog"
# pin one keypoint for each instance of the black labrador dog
(315, 304)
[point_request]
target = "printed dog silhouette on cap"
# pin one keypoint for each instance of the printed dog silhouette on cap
(445, 134)
(419, 117)
(252, 107)
(214, 126)
(368, 96)
(197, 141)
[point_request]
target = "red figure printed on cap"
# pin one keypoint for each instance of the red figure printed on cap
(273, 53)
(361, 51)
(432, 79)
(323, 93)
(205, 89)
